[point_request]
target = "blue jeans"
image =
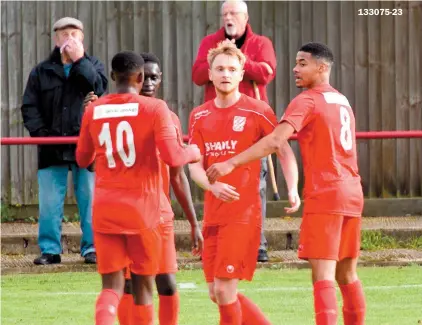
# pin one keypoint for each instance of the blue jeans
(52, 182)
(263, 194)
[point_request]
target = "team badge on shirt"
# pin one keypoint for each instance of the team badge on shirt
(239, 123)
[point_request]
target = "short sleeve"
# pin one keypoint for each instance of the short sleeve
(298, 113)
(195, 136)
(178, 127)
(267, 120)
(163, 127)
(85, 149)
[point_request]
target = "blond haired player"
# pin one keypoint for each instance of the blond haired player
(222, 128)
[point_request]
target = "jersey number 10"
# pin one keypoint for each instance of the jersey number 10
(105, 139)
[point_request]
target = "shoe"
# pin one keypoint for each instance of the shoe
(91, 258)
(262, 255)
(46, 259)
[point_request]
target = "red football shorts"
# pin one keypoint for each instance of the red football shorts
(167, 259)
(117, 251)
(230, 251)
(330, 237)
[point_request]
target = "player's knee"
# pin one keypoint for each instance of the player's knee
(346, 276)
(212, 297)
(166, 284)
(346, 271)
(221, 292)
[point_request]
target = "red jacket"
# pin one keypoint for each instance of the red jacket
(257, 48)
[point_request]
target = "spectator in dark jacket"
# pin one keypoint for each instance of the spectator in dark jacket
(53, 106)
(260, 69)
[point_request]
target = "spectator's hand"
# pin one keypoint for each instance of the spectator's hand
(91, 97)
(267, 66)
(224, 192)
(74, 49)
(197, 240)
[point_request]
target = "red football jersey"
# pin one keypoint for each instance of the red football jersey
(122, 130)
(167, 213)
(221, 133)
(325, 123)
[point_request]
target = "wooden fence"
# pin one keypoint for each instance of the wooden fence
(378, 66)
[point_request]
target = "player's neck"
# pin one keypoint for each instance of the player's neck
(319, 83)
(126, 89)
(227, 100)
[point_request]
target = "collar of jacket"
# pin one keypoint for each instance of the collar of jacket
(249, 33)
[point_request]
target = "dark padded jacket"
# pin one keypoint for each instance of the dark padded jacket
(53, 104)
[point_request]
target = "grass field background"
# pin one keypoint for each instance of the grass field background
(394, 297)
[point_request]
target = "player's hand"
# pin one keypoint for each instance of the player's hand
(197, 240)
(294, 201)
(89, 98)
(196, 153)
(74, 49)
(224, 192)
(218, 170)
(267, 66)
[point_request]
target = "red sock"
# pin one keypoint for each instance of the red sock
(354, 305)
(143, 314)
(168, 309)
(124, 311)
(230, 314)
(251, 314)
(106, 307)
(325, 303)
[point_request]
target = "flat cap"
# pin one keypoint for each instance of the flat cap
(68, 22)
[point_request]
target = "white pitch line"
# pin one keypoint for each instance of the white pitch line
(269, 289)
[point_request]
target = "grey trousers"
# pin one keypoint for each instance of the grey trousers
(263, 194)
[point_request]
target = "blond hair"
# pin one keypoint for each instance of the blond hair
(226, 47)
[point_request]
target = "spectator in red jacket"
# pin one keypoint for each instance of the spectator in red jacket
(260, 68)
(261, 60)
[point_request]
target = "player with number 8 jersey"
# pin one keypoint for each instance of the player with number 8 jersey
(332, 181)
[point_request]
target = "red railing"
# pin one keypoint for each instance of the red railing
(70, 140)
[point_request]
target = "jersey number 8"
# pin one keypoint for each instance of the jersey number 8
(105, 138)
(346, 139)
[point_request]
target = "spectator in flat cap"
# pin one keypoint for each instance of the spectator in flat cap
(53, 107)
(68, 22)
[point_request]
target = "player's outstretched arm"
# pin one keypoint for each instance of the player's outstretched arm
(180, 184)
(267, 145)
(175, 155)
(85, 151)
(172, 151)
(221, 191)
(290, 169)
